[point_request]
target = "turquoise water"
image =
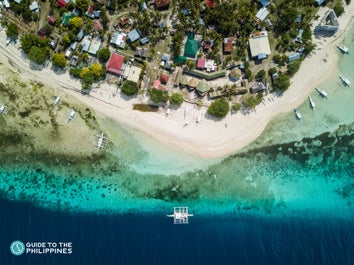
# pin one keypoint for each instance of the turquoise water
(295, 168)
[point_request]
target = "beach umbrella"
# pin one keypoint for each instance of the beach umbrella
(193, 83)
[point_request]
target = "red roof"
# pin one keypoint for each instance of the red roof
(51, 20)
(91, 9)
(164, 79)
(228, 44)
(97, 25)
(210, 3)
(201, 63)
(162, 3)
(61, 3)
(115, 64)
(156, 84)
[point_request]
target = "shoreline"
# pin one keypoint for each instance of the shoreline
(209, 138)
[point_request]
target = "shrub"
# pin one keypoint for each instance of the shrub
(176, 99)
(293, 67)
(158, 96)
(130, 88)
(219, 108)
(236, 107)
(282, 83)
(338, 9)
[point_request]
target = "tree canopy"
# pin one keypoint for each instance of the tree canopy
(12, 30)
(37, 55)
(27, 41)
(130, 88)
(293, 67)
(103, 55)
(158, 96)
(176, 99)
(219, 108)
(282, 83)
(58, 59)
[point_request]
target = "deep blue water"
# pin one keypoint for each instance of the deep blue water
(153, 239)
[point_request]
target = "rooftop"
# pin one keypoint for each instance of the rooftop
(115, 63)
(259, 43)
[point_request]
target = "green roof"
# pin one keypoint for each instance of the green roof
(181, 59)
(203, 87)
(65, 18)
(183, 80)
(191, 48)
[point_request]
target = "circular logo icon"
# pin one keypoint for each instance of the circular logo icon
(17, 248)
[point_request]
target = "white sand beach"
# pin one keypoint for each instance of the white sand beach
(208, 138)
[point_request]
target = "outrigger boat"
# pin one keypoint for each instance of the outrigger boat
(297, 114)
(199, 118)
(312, 103)
(101, 142)
(71, 115)
(345, 80)
(2, 109)
(343, 49)
(322, 92)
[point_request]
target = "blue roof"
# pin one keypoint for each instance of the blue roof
(319, 2)
(144, 40)
(165, 57)
(264, 3)
(185, 12)
(133, 35)
(262, 56)
(144, 6)
(294, 56)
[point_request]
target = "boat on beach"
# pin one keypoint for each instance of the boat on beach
(312, 103)
(345, 80)
(322, 92)
(71, 115)
(56, 101)
(343, 49)
(298, 114)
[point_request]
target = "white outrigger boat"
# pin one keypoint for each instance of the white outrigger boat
(101, 142)
(343, 49)
(2, 109)
(297, 114)
(199, 118)
(71, 115)
(345, 80)
(180, 215)
(56, 101)
(312, 103)
(322, 92)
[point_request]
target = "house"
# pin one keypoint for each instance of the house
(161, 4)
(61, 3)
(319, 2)
(144, 53)
(68, 53)
(294, 56)
(138, 51)
(164, 79)
(262, 13)
(133, 35)
(97, 25)
(228, 45)
(165, 57)
(329, 23)
(157, 84)
(74, 61)
(132, 73)
(259, 45)
(95, 46)
(299, 36)
(191, 47)
(202, 88)
(90, 11)
(80, 35)
(144, 40)
(123, 20)
(6, 3)
(65, 18)
(264, 3)
(51, 20)
(115, 64)
(85, 44)
(118, 40)
(257, 87)
(73, 46)
(33, 7)
(210, 3)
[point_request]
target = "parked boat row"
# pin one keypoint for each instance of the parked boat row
(322, 92)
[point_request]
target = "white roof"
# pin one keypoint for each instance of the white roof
(67, 53)
(119, 39)
(262, 13)
(132, 73)
(94, 47)
(259, 43)
(33, 6)
(85, 44)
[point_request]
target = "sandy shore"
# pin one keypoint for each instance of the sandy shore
(209, 138)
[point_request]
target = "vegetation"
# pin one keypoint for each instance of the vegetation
(76, 23)
(130, 88)
(27, 41)
(219, 108)
(158, 96)
(338, 8)
(58, 59)
(37, 55)
(236, 106)
(176, 99)
(103, 55)
(282, 83)
(252, 101)
(293, 67)
(12, 31)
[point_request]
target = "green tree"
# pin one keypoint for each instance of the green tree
(176, 99)
(282, 83)
(76, 22)
(272, 70)
(219, 108)
(37, 55)
(261, 74)
(338, 8)
(293, 67)
(75, 72)
(96, 69)
(158, 96)
(251, 101)
(82, 5)
(236, 106)
(58, 59)
(27, 41)
(103, 55)
(12, 30)
(130, 88)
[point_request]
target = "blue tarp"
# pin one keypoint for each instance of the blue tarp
(262, 56)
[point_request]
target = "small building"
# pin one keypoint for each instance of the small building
(43, 32)
(235, 75)
(118, 40)
(262, 13)
(144, 40)
(133, 35)
(132, 73)
(90, 11)
(191, 47)
(68, 53)
(319, 2)
(257, 87)
(210, 3)
(80, 35)
(74, 61)
(192, 84)
(156, 84)
(299, 36)
(97, 25)
(144, 53)
(61, 3)
(183, 81)
(164, 79)
(85, 44)
(227, 45)
(51, 20)
(95, 46)
(115, 64)
(259, 45)
(162, 4)
(123, 21)
(143, 6)
(201, 63)
(65, 18)
(165, 57)
(202, 88)
(264, 3)
(294, 56)
(73, 46)
(33, 7)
